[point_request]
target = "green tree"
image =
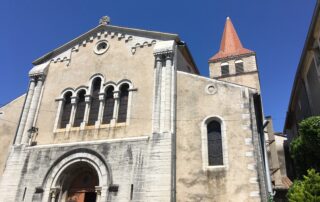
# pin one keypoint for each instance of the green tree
(304, 149)
(306, 190)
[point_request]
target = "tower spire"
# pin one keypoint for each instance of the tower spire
(230, 43)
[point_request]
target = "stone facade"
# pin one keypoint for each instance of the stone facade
(159, 152)
(9, 118)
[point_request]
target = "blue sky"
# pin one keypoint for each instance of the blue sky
(275, 29)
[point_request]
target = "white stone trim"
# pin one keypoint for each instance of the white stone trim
(53, 179)
(204, 141)
(129, 139)
(100, 52)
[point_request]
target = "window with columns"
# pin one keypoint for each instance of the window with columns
(123, 103)
(95, 103)
(66, 110)
(80, 109)
(107, 104)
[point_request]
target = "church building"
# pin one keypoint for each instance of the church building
(121, 114)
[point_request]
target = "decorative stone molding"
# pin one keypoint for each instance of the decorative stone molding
(39, 70)
(101, 47)
(211, 89)
(164, 47)
(88, 98)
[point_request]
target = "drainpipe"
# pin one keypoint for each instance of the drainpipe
(266, 163)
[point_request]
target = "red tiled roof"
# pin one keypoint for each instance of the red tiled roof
(230, 43)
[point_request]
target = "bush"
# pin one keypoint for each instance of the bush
(304, 149)
(306, 190)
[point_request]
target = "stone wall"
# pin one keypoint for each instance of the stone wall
(237, 179)
(9, 118)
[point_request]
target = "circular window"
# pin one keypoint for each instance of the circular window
(101, 47)
(211, 89)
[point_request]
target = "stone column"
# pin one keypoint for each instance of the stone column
(86, 111)
(59, 113)
(25, 111)
(98, 192)
(168, 93)
(54, 192)
(157, 91)
(116, 108)
(101, 108)
(73, 112)
(32, 110)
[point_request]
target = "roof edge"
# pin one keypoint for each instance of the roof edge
(101, 27)
(232, 56)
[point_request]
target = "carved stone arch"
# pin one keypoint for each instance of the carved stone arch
(62, 94)
(76, 91)
(204, 140)
(92, 78)
(124, 81)
(108, 84)
(53, 183)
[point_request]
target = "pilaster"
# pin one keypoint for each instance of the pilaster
(25, 111)
(32, 110)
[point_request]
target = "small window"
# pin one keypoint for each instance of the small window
(215, 155)
(239, 66)
(123, 105)
(66, 110)
(81, 106)
(101, 47)
(224, 69)
(108, 106)
(95, 103)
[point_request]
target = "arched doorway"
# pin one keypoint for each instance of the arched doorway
(78, 183)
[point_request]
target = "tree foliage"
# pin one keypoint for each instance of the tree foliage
(306, 190)
(304, 149)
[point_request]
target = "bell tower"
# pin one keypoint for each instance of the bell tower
(233, 62)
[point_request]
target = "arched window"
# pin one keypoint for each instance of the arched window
(239, 66)
(215, 155)
(81, 105)
(94, 108)
(108, 106)
(224, 69)
(66, 110)
(123, 103)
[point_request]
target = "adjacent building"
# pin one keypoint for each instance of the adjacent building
(305, 95)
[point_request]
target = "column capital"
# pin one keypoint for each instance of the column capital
(41, 78)
(87, 98)
(116, 94)
(101, 96)
(98, 190)
(168, 55)
(74, 100)
(54, 192)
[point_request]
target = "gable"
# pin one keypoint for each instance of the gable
(135, 37)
